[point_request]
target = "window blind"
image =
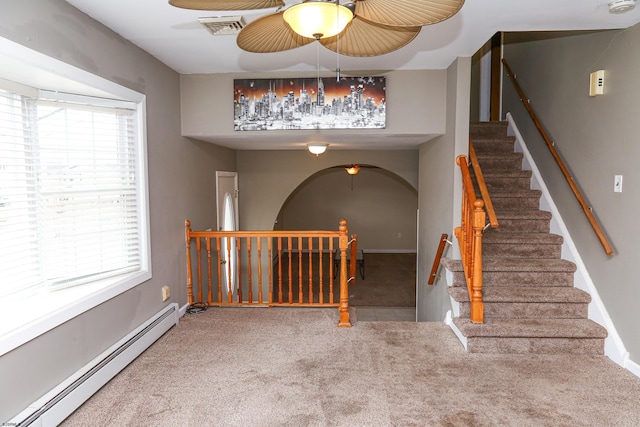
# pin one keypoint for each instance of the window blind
(68, 193)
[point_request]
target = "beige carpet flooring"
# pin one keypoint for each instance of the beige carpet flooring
(295, 367)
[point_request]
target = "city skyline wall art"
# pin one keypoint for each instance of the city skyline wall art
(309, 103)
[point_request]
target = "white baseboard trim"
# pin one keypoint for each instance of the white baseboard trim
(52, 408)
(448, 320)
(633, 367)
(613, 347)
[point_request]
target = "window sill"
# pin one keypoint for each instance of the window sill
(25, 319)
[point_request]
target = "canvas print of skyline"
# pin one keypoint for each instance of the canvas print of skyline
(309, 103)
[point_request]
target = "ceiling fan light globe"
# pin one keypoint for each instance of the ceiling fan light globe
(317, 19)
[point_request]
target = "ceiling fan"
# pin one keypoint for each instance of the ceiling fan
(372, 27)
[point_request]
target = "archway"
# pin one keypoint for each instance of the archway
(381, 208)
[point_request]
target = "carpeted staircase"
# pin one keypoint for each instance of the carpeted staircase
(530, 304)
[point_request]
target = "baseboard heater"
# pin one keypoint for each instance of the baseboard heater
(58, 404)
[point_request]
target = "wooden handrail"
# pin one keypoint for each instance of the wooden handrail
(264, 249)
(469, 236)
(574, 187)
(484, 191)
(438, 257)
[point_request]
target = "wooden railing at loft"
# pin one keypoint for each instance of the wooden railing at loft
(574, 187)
(274, 268)
(436, 260)
(469, 236)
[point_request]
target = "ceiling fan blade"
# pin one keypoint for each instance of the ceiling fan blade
(407, 13)
(270, 33)
(362, 38)
(226, 4)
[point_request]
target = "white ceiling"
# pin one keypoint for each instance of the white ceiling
(175, 37)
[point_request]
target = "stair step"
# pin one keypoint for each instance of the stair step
(480, 129)
(506, 179)
(540, 336)
(521, 245)
(517, 272)
(500, 161)
(532, 221)
(516, 199)
(493, 144)
(527, 303)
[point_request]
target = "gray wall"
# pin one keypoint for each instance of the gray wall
(207, 112)
(181, 181)
(268, 178)
(381, 208)
(598, 138)
(440, 191)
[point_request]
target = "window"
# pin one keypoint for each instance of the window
(68, 212)
(73, 202)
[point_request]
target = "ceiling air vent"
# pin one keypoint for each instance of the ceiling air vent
(220, 25)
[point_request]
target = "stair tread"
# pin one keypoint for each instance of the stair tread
(521, 237)
(500, 193)
(506, 173)
(516, 265)
(505, 294)
(522, 214)
(532, 328)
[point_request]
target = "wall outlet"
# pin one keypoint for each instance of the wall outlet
(166, 293)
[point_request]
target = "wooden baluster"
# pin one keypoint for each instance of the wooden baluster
(300, 293)
(354, 261)
(320, 284)
(187, 233)
(270, 267)
(209, 278)
(249, 279)
(280, 270)
(199, 254)
(239, 269)
(219, 252)
(290, 270)
(259, 243)
(345, 321)
(331, 267)
(228, 268)
(310, 247)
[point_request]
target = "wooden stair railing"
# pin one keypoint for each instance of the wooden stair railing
(436, 260)
(469, 236)
(493, 220)
(574, 187)
(255, 254)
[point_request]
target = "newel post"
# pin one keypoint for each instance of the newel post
(477, 306)
(187, 234)
(343, 241)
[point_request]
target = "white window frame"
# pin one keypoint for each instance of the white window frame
(23, 321)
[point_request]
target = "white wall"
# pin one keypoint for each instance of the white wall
(598, 138)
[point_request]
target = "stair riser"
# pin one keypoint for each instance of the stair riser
(582, 346)
(508, 183)
(496, 145)
(534, 310)
(510, 278)
(505, 250)
(488, 130)
(515, 203)
(523, 225)
(511, 163)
